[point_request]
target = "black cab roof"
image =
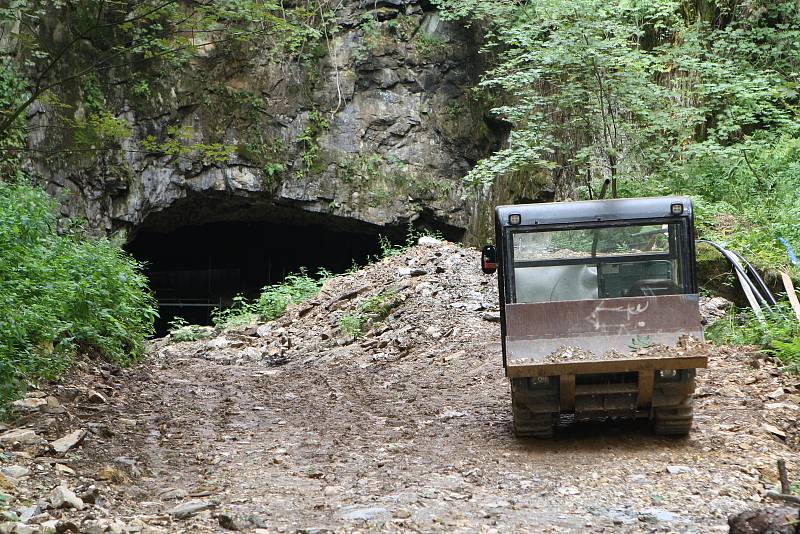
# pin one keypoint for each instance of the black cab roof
(620, 209)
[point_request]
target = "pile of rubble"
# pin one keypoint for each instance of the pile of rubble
(430, 296)
(40, 488)
(686, 347)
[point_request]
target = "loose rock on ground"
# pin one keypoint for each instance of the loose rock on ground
(298, 426)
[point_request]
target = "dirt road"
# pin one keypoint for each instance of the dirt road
(293, 428)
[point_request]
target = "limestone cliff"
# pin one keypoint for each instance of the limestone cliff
(377, 130)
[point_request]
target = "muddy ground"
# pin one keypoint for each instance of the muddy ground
(296, 427)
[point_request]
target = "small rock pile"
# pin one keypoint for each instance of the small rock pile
(432, 295)
(686, 347)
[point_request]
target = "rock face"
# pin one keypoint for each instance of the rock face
(377, 130)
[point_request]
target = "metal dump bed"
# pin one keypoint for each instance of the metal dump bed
(608, 329)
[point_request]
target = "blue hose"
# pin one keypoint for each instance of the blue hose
(790, 251)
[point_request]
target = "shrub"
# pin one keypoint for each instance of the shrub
(296, 288)
(240, 313)
(390, 249)
(352, 324)
(181, 330)
(273, 301)
(62, 293)
(375, 308)
(380, 305)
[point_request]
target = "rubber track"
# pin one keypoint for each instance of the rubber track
(528, 424)
(674, 420)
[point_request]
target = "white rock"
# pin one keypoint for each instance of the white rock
(190, 508)
(62, 469)
(63, 497)
(15, 471)
(69, 441)
(772, 429)
(219, 343)
(781, 406)
(778, 393)
(94, 526)
(429, 241)
(332, 490)
(171, 494)
(25, 514)
(373, 514)
(26, 436)
(264, 330)
(29, 404)
(678, 469)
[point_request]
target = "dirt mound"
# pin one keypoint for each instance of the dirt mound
(430, 301)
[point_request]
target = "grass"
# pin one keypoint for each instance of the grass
(62, 294)
(779, 334)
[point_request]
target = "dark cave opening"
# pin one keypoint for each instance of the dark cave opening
(194, 269)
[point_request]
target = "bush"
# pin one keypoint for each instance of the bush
(745, 195)
(296, 288)
(352, 324)
(390, 249)
(62, 293)
(273, 301)
(181, 330)
(375, 308)
(241, 313)
(380, 305)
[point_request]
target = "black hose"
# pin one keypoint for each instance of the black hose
(754, 273)
(732, 260)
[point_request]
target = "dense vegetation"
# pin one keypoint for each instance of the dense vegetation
(663, 96)
(779, 333)
(62, 54)
(61, 293)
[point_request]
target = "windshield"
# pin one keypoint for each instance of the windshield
(591, 263)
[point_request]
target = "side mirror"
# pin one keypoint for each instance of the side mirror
(489, 259)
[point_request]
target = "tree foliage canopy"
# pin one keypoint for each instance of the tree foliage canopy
(601, 88)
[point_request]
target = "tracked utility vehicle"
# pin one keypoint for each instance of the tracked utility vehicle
(587, 290)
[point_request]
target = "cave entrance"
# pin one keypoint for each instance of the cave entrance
(194, 269)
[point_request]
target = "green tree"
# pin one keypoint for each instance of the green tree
(598, 89)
